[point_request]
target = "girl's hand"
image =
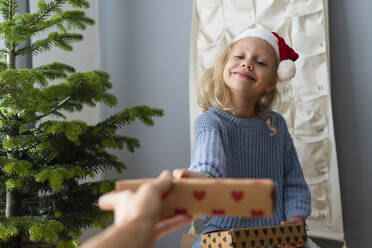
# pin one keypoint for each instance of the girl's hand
(183, 173)
(293, 220)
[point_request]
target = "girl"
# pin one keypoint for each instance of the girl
(239, 137)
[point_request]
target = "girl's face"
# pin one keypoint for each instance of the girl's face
(251, 68)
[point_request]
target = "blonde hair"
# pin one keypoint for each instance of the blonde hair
(213, 92)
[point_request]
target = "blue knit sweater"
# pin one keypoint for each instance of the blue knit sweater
(231, 147)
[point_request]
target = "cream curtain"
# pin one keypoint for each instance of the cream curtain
(304, 102)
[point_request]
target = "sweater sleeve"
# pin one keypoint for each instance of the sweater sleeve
(208, 155)
(297, 197)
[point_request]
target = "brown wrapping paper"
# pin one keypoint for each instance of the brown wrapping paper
(228, 197)
(255, 237)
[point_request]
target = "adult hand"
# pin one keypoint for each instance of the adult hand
(293, 220)
(143, 207)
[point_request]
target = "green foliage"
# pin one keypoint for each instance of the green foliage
(19, 168)
(68, 244)
(18, 28)
(72, 129)
(7, 230)
(56, 70)
(56, 176)
(8, 8)
(38, 228)
(44, 158)
(12, 184)
(61, 40)
(47, 231)
(104, 221)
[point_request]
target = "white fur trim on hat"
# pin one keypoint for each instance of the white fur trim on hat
(262, 34)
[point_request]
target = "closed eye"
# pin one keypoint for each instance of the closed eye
(260, 63)
(239, 57)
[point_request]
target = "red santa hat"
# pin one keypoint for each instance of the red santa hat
(284, 53)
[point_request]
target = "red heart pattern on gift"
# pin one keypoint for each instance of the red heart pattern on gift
(181, 211)
(199, 194)
(164, 195)
(218, 212)
(257, 213)
(237, 195)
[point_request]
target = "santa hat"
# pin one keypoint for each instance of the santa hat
(284, 53)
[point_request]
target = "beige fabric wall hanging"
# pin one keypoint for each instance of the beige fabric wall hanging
(305, 103)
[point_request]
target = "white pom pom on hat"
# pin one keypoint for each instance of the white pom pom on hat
(284, 53)
(286, 70)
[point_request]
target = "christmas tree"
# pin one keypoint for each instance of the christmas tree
(44, 158)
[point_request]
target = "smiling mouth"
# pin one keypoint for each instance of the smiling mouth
(239, 74)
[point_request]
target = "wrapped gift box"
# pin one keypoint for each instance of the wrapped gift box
(227, 197)
(255, 237)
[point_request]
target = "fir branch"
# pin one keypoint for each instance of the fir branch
(79, 3)
(29, 147)
(53, 109)
(20, 142)
(50, 7)
(58, 114)
(91, 158)
(8, 9)
(87, 88)
(16, 83)
(3, 66)
(11, 13)
(36, 47)
(125, 117)
(56, 66)
(47, 11)
(3, 117)
(68, 20)
(38, 227)
(60, 40)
